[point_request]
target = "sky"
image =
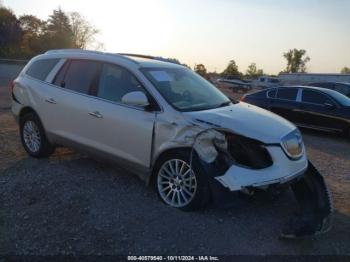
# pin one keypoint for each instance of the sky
(213, 32)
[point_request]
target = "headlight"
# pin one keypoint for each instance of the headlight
(293, 145)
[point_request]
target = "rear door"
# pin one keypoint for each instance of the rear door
(285, 103)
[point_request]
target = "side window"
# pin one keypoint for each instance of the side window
(314, 97)
(115, 82)
(271, 93)
(341, 88)
(81, 76)
(41, 68)
(262, 79)
(287, 93)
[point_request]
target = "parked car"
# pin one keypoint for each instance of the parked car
(163, 122)
(310, 107)
(266, 82)
(343, 88)
(235, 85)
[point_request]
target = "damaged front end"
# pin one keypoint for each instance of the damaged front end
(243, 164)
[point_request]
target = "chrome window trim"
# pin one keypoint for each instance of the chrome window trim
(68, 59)
(95, 97)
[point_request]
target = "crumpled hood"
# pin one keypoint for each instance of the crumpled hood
(248, 120)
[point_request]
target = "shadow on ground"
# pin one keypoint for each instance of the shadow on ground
(75, 205)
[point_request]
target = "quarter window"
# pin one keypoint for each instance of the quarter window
(115, 82)
(287, 93)
(41, 68)
(314, 97)
(81, 76)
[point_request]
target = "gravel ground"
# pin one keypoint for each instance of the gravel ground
(72, 204)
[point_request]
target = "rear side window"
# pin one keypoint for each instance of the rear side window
(287, 93)
(41, 68)
(115, 82)
(341, 88)
(314, 97)
(81, 76)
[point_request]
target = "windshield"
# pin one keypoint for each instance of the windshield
(185, 90)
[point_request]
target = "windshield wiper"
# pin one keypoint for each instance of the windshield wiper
(226, 103)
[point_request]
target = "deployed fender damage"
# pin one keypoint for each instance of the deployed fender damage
(243, 164)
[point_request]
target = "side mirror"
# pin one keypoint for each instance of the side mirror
(329, 105)
(136, 98)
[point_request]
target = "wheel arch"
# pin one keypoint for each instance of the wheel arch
(161, 156)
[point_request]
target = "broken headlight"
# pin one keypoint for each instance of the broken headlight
(293, 145)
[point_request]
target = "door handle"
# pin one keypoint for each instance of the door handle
(51, 101)
(96, 114)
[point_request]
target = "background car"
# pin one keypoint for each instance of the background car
(310, 107)
(235, 84)
(343, 88)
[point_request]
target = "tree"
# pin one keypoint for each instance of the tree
(296, 60)
(253, 72)
(10, 33)
(345, 70)
(83, 32)
(59, 33)
(200, 69)
(33, 29)
(231, 69)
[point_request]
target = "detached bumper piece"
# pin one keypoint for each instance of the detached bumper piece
(315, 206)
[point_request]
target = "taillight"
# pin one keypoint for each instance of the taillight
(243, 97)
(12, 85)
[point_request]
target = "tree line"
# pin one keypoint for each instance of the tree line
(26, 36)
(296, 63)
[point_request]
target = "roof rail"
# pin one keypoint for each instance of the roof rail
(158, 58)
(58, 51)
(55, 51)
(137, 55)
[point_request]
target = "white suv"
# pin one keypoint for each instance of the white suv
(160, 120)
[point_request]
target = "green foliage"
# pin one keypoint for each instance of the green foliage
(296, 62)
(28, 36)
(345, 70)
(253, 71)
(200, 69)
(10, 33)
(231, 69)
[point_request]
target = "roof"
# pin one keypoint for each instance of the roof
(142, 60)
(312, 74)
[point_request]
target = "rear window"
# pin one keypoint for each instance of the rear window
(287, 93)
(41, 68)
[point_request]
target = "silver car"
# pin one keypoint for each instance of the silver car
(158, 119)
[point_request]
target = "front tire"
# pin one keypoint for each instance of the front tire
(178, 185)
(33, 137)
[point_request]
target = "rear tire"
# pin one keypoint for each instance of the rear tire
(33, 136)
(179, 187)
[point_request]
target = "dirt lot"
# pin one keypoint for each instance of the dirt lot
(72, 204)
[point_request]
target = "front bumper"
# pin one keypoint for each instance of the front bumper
(283, 170)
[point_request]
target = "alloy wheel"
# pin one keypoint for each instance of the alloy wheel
(176, 183)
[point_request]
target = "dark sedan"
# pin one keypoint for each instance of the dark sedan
(311, 107)
(343, 88)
